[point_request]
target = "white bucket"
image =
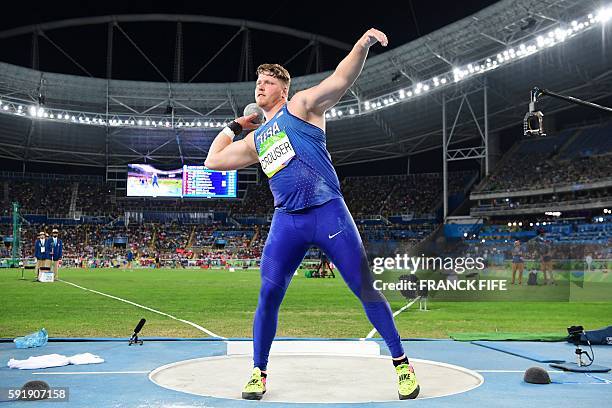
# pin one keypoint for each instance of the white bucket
(46, 277)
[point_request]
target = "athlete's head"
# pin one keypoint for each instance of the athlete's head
(272, 85)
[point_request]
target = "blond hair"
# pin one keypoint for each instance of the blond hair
(276, 71)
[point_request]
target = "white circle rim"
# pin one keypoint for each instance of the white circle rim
(464, 370)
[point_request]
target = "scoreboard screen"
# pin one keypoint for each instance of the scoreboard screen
(198, 181)
(145, 180)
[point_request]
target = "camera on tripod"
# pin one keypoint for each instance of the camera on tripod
(578, 336)
(575, 333)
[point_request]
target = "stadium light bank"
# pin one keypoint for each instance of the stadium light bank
(555, 36)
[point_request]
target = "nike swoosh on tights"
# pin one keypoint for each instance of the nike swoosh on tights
(331, 236)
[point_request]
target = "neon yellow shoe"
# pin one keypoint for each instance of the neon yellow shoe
(256, 387)
(407, 384)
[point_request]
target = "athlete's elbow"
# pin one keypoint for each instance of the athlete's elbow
(211, 163)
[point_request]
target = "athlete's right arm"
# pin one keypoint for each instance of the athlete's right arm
(224, 154)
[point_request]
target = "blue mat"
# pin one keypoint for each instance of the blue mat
(517, 351)
(593, 368)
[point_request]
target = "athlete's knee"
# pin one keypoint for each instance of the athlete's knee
(270, 295)
(368, 294)
(373, 299)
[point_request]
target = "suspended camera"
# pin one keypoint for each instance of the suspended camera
(533, 124)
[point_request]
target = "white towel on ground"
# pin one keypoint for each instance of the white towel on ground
(85, 358)
(53, 360)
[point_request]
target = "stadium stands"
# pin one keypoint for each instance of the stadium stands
(570, 171)
(590, 142)
(366, 195)
(393, 212)
(241, 231)
(421, 194)
(572, 157)
(397, 194)
(572, 238)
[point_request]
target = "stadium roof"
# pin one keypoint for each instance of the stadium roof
(579, 66)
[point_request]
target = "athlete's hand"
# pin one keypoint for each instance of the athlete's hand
(247, 122)
(372, 36)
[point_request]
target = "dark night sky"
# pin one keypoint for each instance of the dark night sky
(344, 21)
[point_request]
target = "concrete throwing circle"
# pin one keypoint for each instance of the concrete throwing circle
(313, 378)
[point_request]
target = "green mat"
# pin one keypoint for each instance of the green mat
(501, 336)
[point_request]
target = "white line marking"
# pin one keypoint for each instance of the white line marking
(90, 372)
(598, 378)
(147, 308)
(373, 332)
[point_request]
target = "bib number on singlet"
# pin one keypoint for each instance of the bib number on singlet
(275, 153)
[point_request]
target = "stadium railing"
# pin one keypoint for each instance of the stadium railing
(583, 204)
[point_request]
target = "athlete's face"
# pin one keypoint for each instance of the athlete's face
(269, 91)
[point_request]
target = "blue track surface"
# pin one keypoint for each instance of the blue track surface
(521, 351)
(501, 389)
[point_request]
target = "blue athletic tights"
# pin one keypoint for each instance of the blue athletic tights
(331, 228)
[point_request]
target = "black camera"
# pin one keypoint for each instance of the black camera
(575, 332)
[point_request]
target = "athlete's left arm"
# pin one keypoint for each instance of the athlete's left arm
(318, 99)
